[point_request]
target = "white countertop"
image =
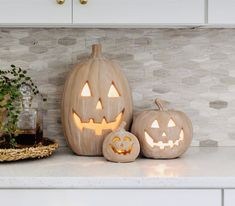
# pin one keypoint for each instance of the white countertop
(198, 168)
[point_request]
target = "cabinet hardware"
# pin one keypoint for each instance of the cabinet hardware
(83, 1)
(60, 1)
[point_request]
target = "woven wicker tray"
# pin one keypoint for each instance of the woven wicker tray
(43, 149)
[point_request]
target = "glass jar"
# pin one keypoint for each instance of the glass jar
(29, 126)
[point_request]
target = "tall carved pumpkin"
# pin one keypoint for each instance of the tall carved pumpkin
(163, 133)
(96, 99)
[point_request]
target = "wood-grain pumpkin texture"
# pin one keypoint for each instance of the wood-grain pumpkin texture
(96, 99)
(163, 133)
(121, 146)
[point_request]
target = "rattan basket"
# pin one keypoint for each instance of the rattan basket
(43, 149)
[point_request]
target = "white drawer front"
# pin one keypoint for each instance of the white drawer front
(221, 12)
(110, 197)
(35, 12)
(138, 11)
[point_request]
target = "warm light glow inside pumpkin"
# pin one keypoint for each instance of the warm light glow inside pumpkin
(113, 91)
(162, 145)
(98, 127)
(86, 92)
(116, 139)
(155, 124)
(118, 148)
(171, 123)
(99, 105)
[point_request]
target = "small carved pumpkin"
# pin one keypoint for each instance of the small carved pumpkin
(96, 99)
(121, 146)
(163, 133)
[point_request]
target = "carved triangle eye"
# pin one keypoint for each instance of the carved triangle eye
(113, 91)
(86, 92)
(171, 123)
(155, 124)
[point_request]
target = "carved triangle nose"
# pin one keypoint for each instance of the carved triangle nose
(164, 134)
(99, 105)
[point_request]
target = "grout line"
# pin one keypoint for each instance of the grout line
(206, 7)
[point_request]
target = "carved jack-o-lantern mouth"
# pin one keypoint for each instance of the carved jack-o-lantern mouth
(121, 151)
(162, 145)
(98, 127)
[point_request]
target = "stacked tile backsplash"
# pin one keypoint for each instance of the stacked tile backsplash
(193, 69)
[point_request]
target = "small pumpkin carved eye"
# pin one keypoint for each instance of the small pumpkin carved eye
(113, 91)
(116, 139)
(155, 124)
(128, 139)
(86, 92)
(171, 123)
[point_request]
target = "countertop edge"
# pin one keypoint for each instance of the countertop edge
(117, 183)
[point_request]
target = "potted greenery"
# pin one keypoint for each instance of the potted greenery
(10, 82)
(18, 119)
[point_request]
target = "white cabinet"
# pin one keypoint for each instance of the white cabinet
(35, 12)
(138, 12)
(112, 197)
(229, 197)
(116, 12)
(221, 12)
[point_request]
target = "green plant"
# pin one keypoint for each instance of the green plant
(10, 82)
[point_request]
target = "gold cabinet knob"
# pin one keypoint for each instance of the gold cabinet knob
(60, 1)
(83, 1)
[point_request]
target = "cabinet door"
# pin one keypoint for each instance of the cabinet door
(35, 12)
(229, 197)
(221, 12)
(112, 197)
(138, 12)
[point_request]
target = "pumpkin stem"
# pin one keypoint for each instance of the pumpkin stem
(122, 126)
(158, 102)
(96, 50)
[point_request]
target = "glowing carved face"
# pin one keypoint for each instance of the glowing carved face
(96, 98)
(122, 146)
(163, 133)
(103, 125)
(165, 139)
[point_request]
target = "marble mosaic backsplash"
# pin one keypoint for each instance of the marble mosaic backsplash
(192, 69)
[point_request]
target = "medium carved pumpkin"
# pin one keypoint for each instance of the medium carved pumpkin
(163, 133)
(121, 146)
(96, 99)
